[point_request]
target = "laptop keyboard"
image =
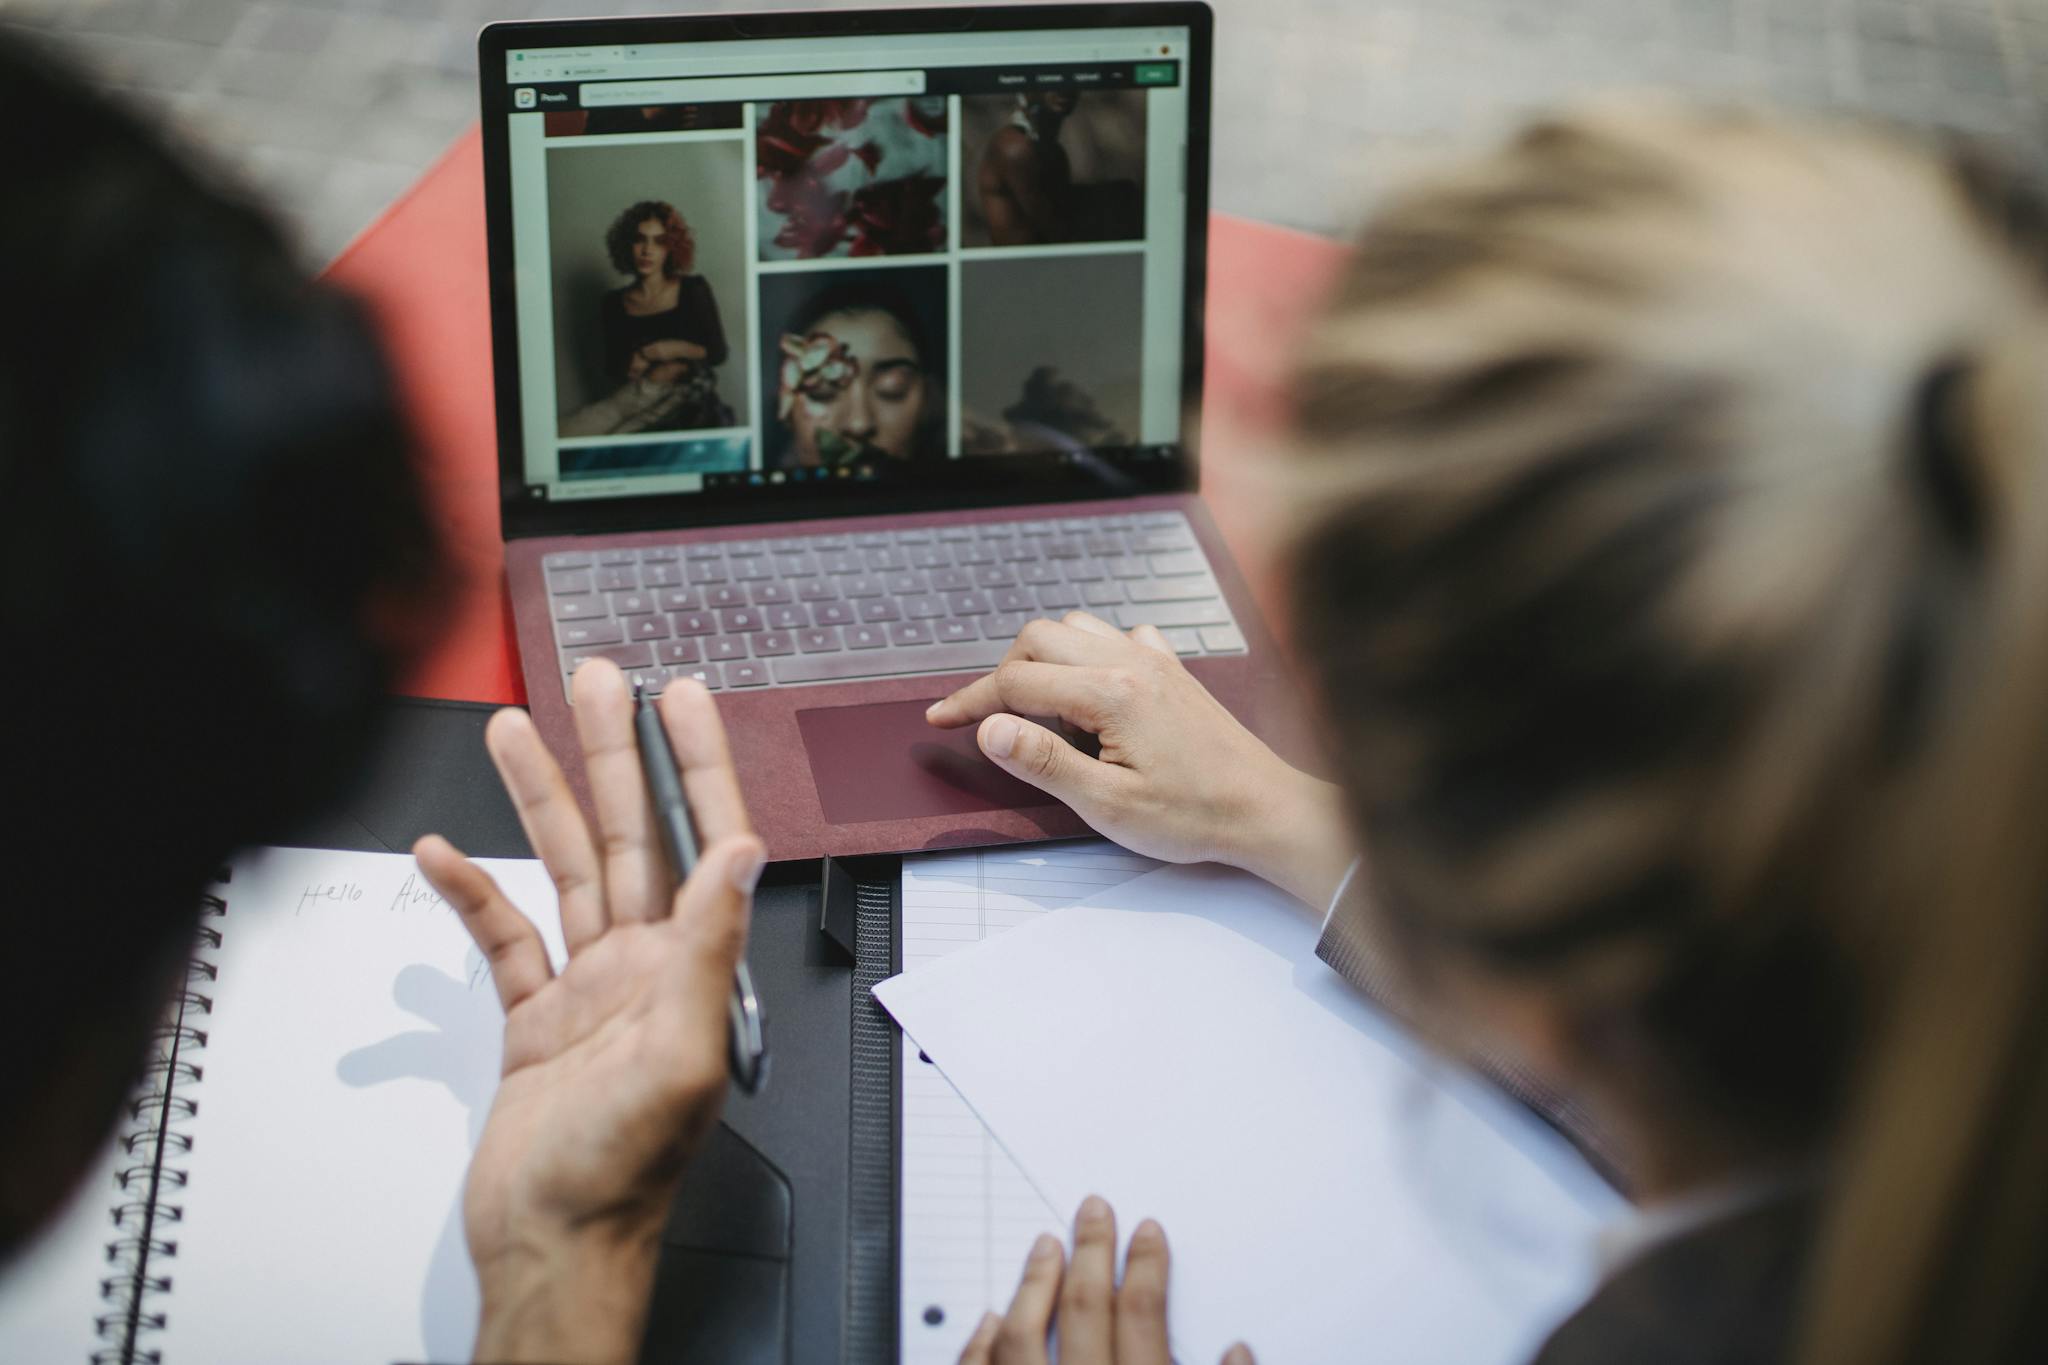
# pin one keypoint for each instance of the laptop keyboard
(833, 608)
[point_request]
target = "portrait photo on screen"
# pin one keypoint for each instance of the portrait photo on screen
(647, 247)
(853, 366)
(851, 177)
(1055, 166)
(1051, 352)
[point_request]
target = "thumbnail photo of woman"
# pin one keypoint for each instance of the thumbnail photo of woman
(641, 343)
(853, 367)
(1052, 166)
(851, 177)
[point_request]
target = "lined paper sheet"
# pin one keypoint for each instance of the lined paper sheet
(969, 1215)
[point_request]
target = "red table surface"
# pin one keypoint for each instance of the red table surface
(422, 269)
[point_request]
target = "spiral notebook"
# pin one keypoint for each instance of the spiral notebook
(286, 1184)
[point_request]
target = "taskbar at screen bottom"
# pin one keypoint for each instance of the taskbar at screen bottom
(1059, 474)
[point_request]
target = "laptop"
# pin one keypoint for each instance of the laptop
(833, 347)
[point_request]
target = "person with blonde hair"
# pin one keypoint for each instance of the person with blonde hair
(1671, 574)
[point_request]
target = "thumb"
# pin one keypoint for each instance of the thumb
(1038, 756)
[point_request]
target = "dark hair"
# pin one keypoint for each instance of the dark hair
(866, 296)
(675, 235)
(1676, 599)
(213, 549)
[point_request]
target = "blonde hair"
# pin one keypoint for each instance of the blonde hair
(1674, 575)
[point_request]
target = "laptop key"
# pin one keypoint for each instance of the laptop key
(647, 627)
(709, 571)
(956, 533)
(725, 595)
(770, 594)
(724, 647)
(950, 631)
(680, 599)
(1151, 519)
(632, 603)
(1184, 561)
(952, 580)
(833, 614)
(1014, 599)
(866, 637)
(1102, 594)
(1159, 542)
(660, 554)
(995, 576)
(839, 562)
(1165, 614)
(1223, 639)
(906, 581)
(772, 642)
(967, 603)
(674, 652)
(930, 557)
(1172, 589)
(567, 559)
(1037, 573)
(747, 674)
(708, 674)
(660, 575)
(1003, 625)
(569, 580)
(923, 607)
(617, 578)
(816, 590)
(974, 554)
(788, 618)
(861, 585)
(1084, 570)
(819, 640)
(749, 569)
(1023, 551)
(576, 634)
(970, 657)
(695, 623)
(1127, 566)
(740, 621)
(621, 555)
(1184, 639)
(910, 633)
(625, 656)
(580, 608)
(1058, 598)
(879, 609)
(704, 549)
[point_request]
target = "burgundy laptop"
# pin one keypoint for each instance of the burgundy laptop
(830, 349)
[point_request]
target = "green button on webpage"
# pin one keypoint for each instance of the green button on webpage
(1154, 73)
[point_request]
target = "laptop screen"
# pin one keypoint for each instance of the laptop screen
(833, 261)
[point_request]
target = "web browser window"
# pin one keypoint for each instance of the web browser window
(787, 261)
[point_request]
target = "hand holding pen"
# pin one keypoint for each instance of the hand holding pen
(616, 1066)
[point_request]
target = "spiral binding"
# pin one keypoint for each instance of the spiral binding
(138, 1279)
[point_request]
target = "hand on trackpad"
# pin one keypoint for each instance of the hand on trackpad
(883, 761)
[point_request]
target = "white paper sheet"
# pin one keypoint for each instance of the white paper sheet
(352, 1052)
(968, 1214)
(1174, 1045)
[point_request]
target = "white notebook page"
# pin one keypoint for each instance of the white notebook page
(969, 1215)
(353, 1051)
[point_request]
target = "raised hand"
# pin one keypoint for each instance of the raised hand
(615, 1068)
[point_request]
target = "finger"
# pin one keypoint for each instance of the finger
(1152, 637)
(1141, 1301)
(1081, 695)
(1093, 624)
(553, 824)
(506, 938)
(698, 737)
(1239, 1354)
(636, 885)
(1021, 1339)
(1087, 1296)
(1028, 750)
(712, 909)
(981, 1347)
(1041, 641)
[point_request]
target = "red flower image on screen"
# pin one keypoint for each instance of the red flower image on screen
(854, 177)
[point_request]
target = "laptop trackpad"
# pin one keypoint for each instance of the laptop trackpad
(882, 761)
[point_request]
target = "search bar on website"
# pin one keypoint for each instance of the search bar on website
(723, 89)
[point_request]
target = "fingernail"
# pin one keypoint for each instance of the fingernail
(1046, 1245)
(999, 736)
(746, 870)
(1238, 1354)
(1148, 1231)
(933, 709)
(1092, 1208)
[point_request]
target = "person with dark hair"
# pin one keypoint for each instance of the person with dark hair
(1670, 548)
(662, 339)
(856, 382)
(216, 560)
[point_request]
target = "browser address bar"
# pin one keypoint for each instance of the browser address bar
(721, 89)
